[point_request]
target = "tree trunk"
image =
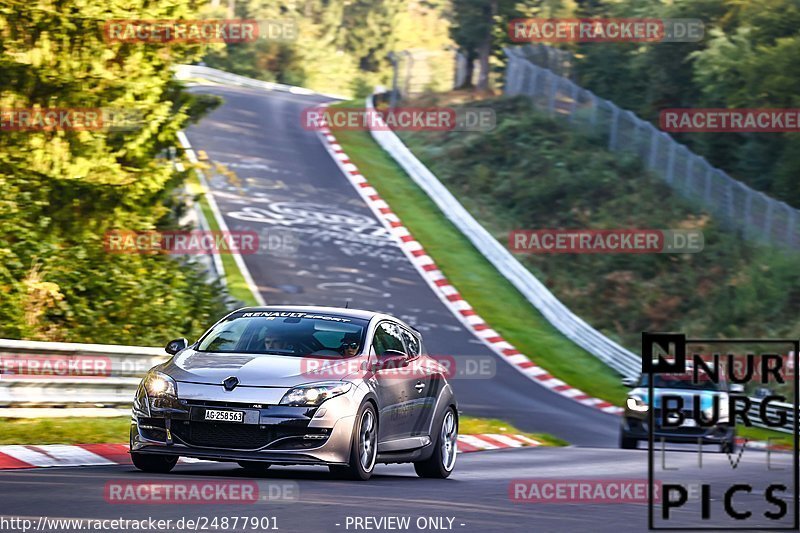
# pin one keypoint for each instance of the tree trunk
(485, 49)
(469, 70)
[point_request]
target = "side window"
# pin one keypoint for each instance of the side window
(412, 344)
(388, 337)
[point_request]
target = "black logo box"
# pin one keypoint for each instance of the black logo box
(667, 340)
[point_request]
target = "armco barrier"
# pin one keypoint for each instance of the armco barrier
(122, 368)
(187, 72)
(127, 365)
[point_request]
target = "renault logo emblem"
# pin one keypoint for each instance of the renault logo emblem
(230, 383)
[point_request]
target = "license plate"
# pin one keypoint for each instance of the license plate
(218, 415)
(689, 423)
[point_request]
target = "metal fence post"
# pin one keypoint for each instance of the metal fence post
(673, 147)
(593, 98)
(574, 107)
(532, 81)
(612, 137)
(709, 172)
(551, 102)
(768, 218)
(651, 160)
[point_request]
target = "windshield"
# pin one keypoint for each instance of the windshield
(681, 381)
(286, 333)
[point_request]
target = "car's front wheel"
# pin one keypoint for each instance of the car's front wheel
(364, 449)
(443, 460)
(154, 463)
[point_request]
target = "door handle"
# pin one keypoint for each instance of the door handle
(419, 386)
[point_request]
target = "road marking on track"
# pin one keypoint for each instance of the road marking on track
(54, 455)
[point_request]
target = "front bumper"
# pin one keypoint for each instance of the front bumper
(270, 433)
(637, 427)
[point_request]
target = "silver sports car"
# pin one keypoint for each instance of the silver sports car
(299, 385)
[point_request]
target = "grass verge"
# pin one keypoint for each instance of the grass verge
(761, 434)
(468, 425)
(77, 430)
(492, 296)
(237, 286)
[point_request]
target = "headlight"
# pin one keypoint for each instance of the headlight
(158, 384)
(314, 394)
(635, 403)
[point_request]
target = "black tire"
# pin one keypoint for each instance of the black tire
(254, 467)
(445, 446)
(153, 463)
(727, 446)
(359, 450)
(627, 443)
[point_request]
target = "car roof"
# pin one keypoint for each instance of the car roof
(341, 311)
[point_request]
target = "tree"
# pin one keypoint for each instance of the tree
(64, 189)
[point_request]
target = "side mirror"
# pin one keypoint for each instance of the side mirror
(176, 345)
(390, 359)
(630, 382)
(736, 388)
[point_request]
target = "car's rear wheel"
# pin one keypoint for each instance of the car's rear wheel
(364, 449)
(727, 446)
(154, 463)
(627, 443)
(443, 460)
(254, 467)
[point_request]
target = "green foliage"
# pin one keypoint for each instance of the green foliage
(341, 45)
(62, 190)
(534, 173)
(747, 59)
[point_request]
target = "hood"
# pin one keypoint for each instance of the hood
(706, 396)
(258, 370)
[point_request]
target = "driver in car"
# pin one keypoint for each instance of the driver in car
(350, 345)
(273, 342)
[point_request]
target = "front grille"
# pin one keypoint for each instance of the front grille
(233, 436)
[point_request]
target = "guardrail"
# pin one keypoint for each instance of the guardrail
(187, 72)
(118, 371)
(62, 378)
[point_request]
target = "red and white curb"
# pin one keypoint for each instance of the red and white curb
(445, 291)
(49, 455)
